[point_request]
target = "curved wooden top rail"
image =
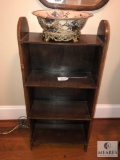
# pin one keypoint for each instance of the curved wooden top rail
(104, 30)
(104, 34)
(81, 7)
(22, 27)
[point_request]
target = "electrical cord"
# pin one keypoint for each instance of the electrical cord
(22, 123)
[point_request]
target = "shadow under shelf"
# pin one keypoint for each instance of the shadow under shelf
(58, 134)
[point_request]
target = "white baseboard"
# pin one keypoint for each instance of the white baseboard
(102, 111)
(107, 111)
(12, 112)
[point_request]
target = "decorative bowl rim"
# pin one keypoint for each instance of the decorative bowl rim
(57, 18)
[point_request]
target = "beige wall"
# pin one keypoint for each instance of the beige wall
(11, 90)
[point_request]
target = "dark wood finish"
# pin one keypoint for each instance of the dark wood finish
(59, 133)
(23, 30)
(82, 7)
(15, 146)
(37, 38)
(65, 103)
(48, 79)
(98, 62)
(61, 110)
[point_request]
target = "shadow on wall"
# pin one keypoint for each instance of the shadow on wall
(114, 93)
(111, 109)
(114, 86)
(14, 94)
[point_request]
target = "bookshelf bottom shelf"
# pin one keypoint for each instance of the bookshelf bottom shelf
(58, 134)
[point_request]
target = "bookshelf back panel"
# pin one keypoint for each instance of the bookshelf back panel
(55, 58)
(62, 94)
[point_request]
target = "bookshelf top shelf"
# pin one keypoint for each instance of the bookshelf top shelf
(31, 37)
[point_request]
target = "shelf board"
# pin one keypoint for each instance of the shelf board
(84, 40)
(60, 110)
(49, 79)
(58, 134)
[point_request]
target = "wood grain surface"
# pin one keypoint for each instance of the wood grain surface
(15, 146)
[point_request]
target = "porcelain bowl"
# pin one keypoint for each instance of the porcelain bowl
(61, 25)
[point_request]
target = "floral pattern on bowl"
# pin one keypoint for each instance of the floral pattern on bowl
(62, 22)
